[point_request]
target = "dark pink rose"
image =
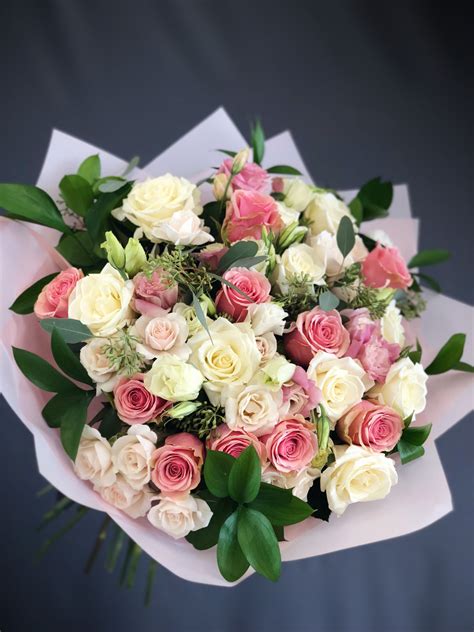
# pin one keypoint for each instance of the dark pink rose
(177, 464)
(371, 425)
(251, 178)
(233, 442)
(315, 331)
(211, 255)
(360, 327)
(300, 394)
(247, 213)
(385, 267)
(52, 301)
(134, 403)
(159, 291)
(292, 445)
(255, 285)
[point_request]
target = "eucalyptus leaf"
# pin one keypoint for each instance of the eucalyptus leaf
(428, 258)
(31, 204)
(110, 184)
(240, 250)
(200, 315)
(258, 542)
(258, 143)
(67, 360)
(41, 373)
(448, 356)
(328, 301)
(217, 468)
(25, 303)
(245, 475)
(345, 236)
(249, 262)
(89, 169)
(77, 193)
(71, 330)
(284, 169)
(230, 558)
(134, 162)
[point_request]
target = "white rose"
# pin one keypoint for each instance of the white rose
(357, 475)
(255, 408)
(325, 212)
(391, 325)
(297, 194)
(189, 314)
(298, 261)
(173, 379)
(155, 201)
(229, 355)
(97, 365)
(94, 458)
(162, 334)
(404, 389)
(275, 372)
(183, 229)
(122, 495)
(131, 455)
(266, 318)
(102, 301)
(267, 346)
(299, 482)
(325, 244)
(342, 382)
(178, 517)
(288, 215)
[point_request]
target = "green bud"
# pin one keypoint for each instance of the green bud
(207, 305)
(183, 409)
(292, 234)
(240, 159)
(135, 257)
(321, 459)
(114, 249)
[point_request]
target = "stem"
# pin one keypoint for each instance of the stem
(98, 544)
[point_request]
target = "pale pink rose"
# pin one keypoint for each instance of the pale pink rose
(371, 425)
(158, 291)
(52, 301)
(164, 333)
(247, 213)
(251, 178)
(134, 403)
(254, 284)
(315, 331)
(211, 255)
(278, 185)
(300, 394)
(292, 445)
(360, 327)
(385, 267)
(233, 442)
(177, 464)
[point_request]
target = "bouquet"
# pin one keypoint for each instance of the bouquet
(229, 356)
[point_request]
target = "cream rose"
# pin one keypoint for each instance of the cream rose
(299, 482)
(404, 389)
(267, 346)
(155, 201)
(166, 333)
(131, 455)
(266, 318)
(325, 244)
(102, 301)
(122, 495)
(173, 379)
(297, 194)
(391, 325)
(275, 372)
(183, 229)
(325, 212)
(297, 261)
(342, 382)
(254, 408)
(189, 314)
(357, 475)
(229, 355)
(178, 517)
(97, 365)
(94, 458)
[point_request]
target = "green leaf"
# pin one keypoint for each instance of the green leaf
(357, 210)
(409, 452)
(77, 193)
(428, 258)
(203, 539)
(41, 373)
(245, 475)
(417, 435)
(89, 169)
(200, 315)
(78, 249)
(248, 262)
(59, 407)
(72, 424)
(232, 154)
(376, 197)
(429, 281)
(448, 356)
(110, 424)
(217, 468)
(285, 169)
(239, 250)
(345, 236)
(110, 184)
(328, 301)
(280, 506)
(463, 366)
(258, 143)
(415, 356)
(258, 542)
(31, 204)
(24, 304)
(71, 330)
(407, 421)
(67, 360)
(319, 501)
(134, 162)
(230, 558)
(98, 216)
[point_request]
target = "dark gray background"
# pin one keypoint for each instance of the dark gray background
(368, 88)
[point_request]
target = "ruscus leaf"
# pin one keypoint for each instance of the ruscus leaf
(258, 542)
(245, 475)
(25, 303)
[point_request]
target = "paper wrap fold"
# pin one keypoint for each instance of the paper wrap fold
(422, 495)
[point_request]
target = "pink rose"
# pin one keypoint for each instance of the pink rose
(134, 403)
(177, 464)
(233, 442)
(278, 185)
(360, 327)
(212, 255)
(371, 425)
(159, 291)
(300, 394)
(248, 212)
(385, 267)
(52, 301)
(292, 445)
(251, 178)
(254, 284)
(315, 331)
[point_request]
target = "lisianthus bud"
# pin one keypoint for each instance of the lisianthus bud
(240, 161)
(292, 234)
(135, 257)
(114, 249)
(183, 409)
(321, 459)
(207, 305)
(219, 185)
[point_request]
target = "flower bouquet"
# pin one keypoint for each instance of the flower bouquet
(222, 362)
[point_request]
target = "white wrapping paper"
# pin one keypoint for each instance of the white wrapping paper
(422, 495)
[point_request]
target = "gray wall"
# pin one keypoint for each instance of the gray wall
(368, 88)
